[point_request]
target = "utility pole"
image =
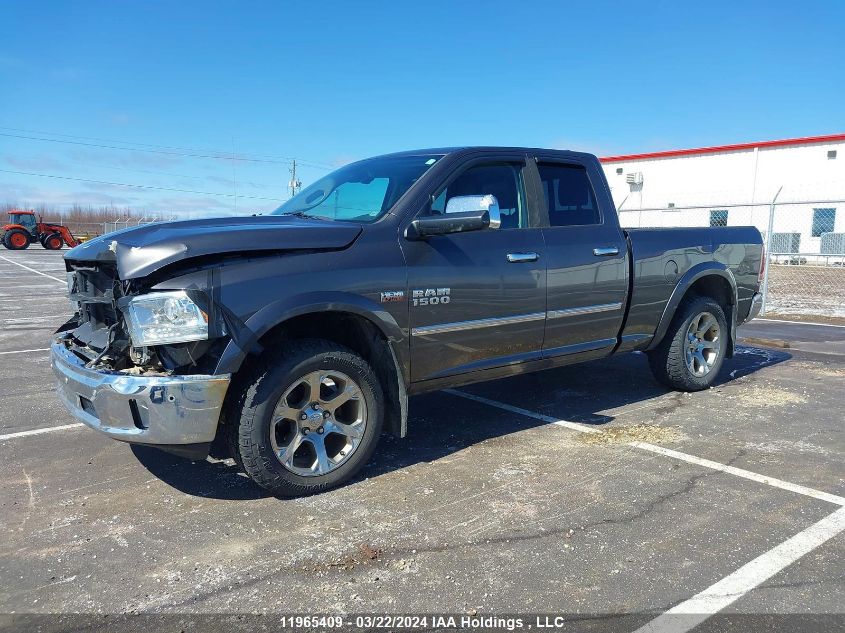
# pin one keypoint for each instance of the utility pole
(295, 184)
(234, 177)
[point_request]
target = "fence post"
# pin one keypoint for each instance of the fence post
(768, 253)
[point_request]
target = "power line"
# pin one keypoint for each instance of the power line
(139, 171)
(167, 151)
(136, 186)
(220, 153)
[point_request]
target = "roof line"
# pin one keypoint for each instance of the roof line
(806, 140)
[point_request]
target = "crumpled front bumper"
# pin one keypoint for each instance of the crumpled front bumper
(160, 410)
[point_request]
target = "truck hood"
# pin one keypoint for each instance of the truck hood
(141, 250)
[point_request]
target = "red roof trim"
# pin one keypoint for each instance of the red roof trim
(807, 140)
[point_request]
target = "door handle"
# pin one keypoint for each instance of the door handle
(604, 252)
(518, 258)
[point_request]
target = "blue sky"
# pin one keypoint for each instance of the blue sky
(328, 82)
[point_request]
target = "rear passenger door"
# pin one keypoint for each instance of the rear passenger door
(586, 259)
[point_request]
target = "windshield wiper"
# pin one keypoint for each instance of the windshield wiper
(303, 214)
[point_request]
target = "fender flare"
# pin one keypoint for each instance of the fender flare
(281, 310)
(699, 271)
(276, 313)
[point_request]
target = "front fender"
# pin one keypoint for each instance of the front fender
(686, 281)
(277, 312)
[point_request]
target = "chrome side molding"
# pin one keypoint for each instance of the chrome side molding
(458, 326)
(603, 307)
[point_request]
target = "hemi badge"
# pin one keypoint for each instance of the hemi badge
(391, 296)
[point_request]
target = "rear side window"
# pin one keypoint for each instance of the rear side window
(569, 195)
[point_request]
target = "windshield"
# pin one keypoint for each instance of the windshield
(360, 192)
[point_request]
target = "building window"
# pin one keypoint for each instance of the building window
(831, 153)
(618, 170)
(823, 221)
(719, 217)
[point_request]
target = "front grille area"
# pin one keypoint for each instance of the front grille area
(96, 289)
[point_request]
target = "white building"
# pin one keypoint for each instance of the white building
(736, 185)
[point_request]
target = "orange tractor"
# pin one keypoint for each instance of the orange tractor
(24, 228)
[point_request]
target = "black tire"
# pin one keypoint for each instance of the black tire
(53, 242)
(271, 376)
(669, 362)
(16, 240)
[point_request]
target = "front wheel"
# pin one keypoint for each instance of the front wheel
(310, 420)
(53, 242)
(691, 354)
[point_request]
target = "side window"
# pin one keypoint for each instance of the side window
(823, 221)
(502, 180)
(569, 195)
(718, 217)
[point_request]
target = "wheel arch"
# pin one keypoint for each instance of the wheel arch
(367, 330)
(708, 279)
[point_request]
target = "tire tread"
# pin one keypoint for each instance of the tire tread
(667, 361)
(257, 464)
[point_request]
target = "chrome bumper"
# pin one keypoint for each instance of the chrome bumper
(756, 305)
(164, 410)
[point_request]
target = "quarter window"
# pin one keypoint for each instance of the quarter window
(823, 221)
(569, 195)
(719, 217)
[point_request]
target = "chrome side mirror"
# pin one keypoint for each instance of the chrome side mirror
(463, 213)
(474, 204)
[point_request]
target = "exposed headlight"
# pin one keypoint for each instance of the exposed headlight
(160, 318)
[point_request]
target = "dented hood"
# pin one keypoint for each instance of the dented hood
(142, 250)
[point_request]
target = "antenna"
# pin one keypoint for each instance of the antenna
(295, 184)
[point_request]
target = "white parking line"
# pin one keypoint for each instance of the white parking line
(49, 429)
(741, 472)
(692, 612)
(731, 470)
(26, 351)
(37, 272)
(575, 426)
(798, 322)
(34, 319)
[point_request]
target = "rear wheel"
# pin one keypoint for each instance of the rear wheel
(691, 354)
(310, 420)
(53, 242)
(16, 240)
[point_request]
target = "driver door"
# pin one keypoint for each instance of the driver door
(477, 299)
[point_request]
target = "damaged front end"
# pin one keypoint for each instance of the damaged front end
(136, 364)
(122, 326)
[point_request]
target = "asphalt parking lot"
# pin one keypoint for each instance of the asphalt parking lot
(584, 490)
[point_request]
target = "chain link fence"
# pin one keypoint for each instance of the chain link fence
(88, 230)
(122, 223)
(805, 246)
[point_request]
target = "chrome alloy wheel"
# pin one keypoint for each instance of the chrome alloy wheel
(318, 423)
(703, 344)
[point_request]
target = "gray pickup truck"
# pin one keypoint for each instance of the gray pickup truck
(294, 339)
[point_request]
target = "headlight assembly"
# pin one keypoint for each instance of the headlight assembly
(161, 318)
